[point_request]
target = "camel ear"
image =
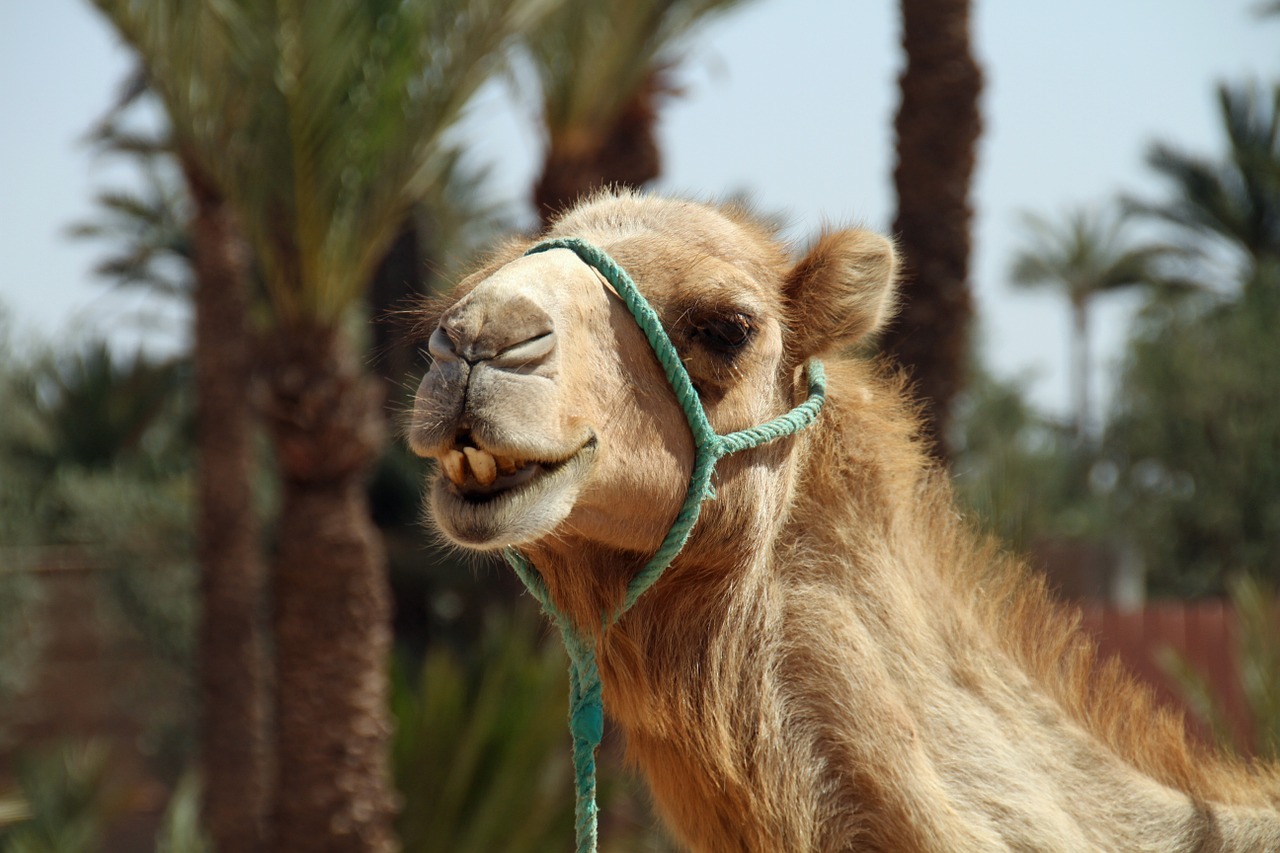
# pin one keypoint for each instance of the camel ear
(841, 291)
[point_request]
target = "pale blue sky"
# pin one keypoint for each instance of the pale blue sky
(792, 101)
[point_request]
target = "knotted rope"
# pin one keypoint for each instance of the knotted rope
(586, 707)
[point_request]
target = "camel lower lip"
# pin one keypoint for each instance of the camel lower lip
(515, 508)
(473, 492)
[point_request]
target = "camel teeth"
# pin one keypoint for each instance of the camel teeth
(454, 466)
(483, 466)
(506, 464)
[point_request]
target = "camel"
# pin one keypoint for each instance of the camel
(837, 660)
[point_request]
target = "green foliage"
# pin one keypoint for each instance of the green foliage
(1196, 439)
(95, 455)
(68, 800)
(71, 799)
(22, 633)
(482, 751)
(90, 409)
(1258, 656)
(181, 831)
(140, 532)
(142, 529)
(21, 514)
(1255, 605)
(1020, 473)
(1195, 435)
(13, 810)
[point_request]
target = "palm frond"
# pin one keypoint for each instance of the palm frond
(147, 233)
(1086, 253)
(1233, 200)
(318, 119)
(590, 57)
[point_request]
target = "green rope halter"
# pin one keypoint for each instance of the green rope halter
(586, 707)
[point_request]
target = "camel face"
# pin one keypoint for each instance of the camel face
(547, 410)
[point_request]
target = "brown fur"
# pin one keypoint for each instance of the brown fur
(837, 661)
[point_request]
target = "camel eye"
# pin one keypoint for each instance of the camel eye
(724, 332)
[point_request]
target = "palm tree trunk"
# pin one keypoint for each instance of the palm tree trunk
(937, 127)
(233, 664)
(396, 283)
(623, 155)
(332, 602)
(1080, 366)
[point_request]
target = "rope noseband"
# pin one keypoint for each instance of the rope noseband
(586, 707)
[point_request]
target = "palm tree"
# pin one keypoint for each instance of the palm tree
(234, 687)
(604, 68)
(316, 122)
(937, 132)
(199, 229)
(1087, 254)
(1232, 203)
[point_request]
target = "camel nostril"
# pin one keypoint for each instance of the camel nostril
(510, 331)
(441, 346)
(526, 353)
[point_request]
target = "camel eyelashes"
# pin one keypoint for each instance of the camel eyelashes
(724, 332)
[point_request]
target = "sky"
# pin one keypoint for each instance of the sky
(791, 101)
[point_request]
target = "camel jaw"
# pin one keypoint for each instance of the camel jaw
(485, 501)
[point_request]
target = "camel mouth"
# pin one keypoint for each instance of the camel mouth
(484, 498)
(478, 475)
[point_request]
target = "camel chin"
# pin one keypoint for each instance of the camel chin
(484, 502)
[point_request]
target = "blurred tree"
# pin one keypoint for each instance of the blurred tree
(1089, 253)
(1227, 209)
(151, 248)
(95, 408)
(233, 670)
(317, 122)
(95, 454)
(1196, 439)
(1014, 468)
(22, 513)
(197, 228)
(937, 125)
(604, 68)
(1196, 434)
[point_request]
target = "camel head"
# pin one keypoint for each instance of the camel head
(548, 413)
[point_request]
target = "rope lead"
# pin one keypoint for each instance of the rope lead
(586, 706)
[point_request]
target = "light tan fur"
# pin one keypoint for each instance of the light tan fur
(837, 661)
